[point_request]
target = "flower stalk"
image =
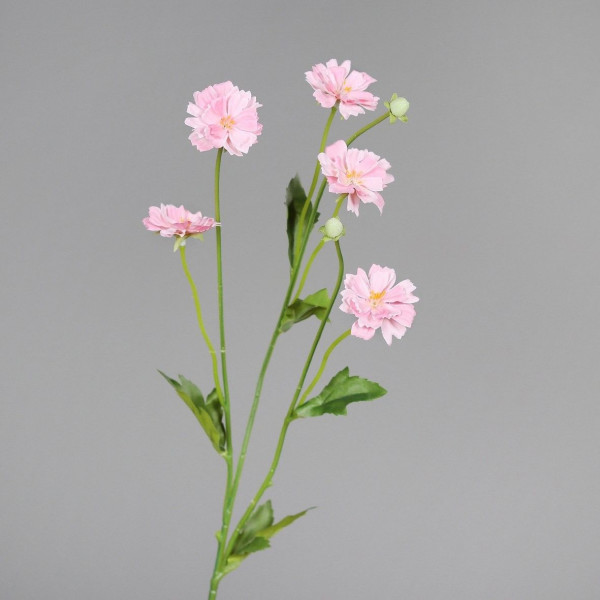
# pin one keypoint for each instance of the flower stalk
(228, 497)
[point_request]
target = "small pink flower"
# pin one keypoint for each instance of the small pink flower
(333, 83)
(171, 220)
(223, 116)
(377, 302)
(359, 173)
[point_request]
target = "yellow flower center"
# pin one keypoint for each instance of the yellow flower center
(375, 298)
(346, 88)
(354, 176)
(227, 122)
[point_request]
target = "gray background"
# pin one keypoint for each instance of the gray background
(476, 477)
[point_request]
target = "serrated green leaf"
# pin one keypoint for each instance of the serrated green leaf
(295, 197)
(316, 304)
(338, 393)
(257, 539)
(209, 414)
(261, 518)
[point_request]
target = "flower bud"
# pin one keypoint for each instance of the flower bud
(398, 107)
(333, 230)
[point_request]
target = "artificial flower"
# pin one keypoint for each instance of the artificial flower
(223, 116)
(170, 220)
(336, 83)
(359, 173)
(377, 303)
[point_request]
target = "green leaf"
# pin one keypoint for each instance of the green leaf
(256, 533)
(295, 197)
(258, 543)
(261, 518)
(338, 393)
(315, 304)
(270, 531)
(209, 413)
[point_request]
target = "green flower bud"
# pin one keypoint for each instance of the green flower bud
(333, 230)
(398, 107)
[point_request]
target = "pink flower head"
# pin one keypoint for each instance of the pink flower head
(359, 173)
(171, 220)
(377, 302)
(223, 116)
(335, 83)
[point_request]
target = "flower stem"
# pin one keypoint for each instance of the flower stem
(317, 249)
(307, 268)
(227, 498)
(338, 204)
(322, 367)
(366, 128)
(315, 178)
(211, 348)
(290, 414)
(231, 490)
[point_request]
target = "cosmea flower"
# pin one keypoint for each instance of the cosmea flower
(359, 173)
(223, 116)
(378, 303)
(170, 220)
(333, 83)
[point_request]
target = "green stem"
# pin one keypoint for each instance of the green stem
(211, 348)
(322, 367)
(317, 249)
(227, 499)
(290, 414)
(366, 128)
(315, 178)
(307, 268)
(259, 384)
(338, 204)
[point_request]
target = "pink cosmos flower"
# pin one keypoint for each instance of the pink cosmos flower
(359, 173)
(223, 116)
(378, 303)
(171, 220)
(333, 83)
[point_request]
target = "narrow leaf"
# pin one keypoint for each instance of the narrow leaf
(209, 414)
(269, 532)
(342, 390)
(295, 197)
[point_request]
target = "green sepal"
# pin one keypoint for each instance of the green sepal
(256, 533)
(315, 304)
(209, 413)
(179, 241)
(326, 238)
(295, 197)
(338, 393)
